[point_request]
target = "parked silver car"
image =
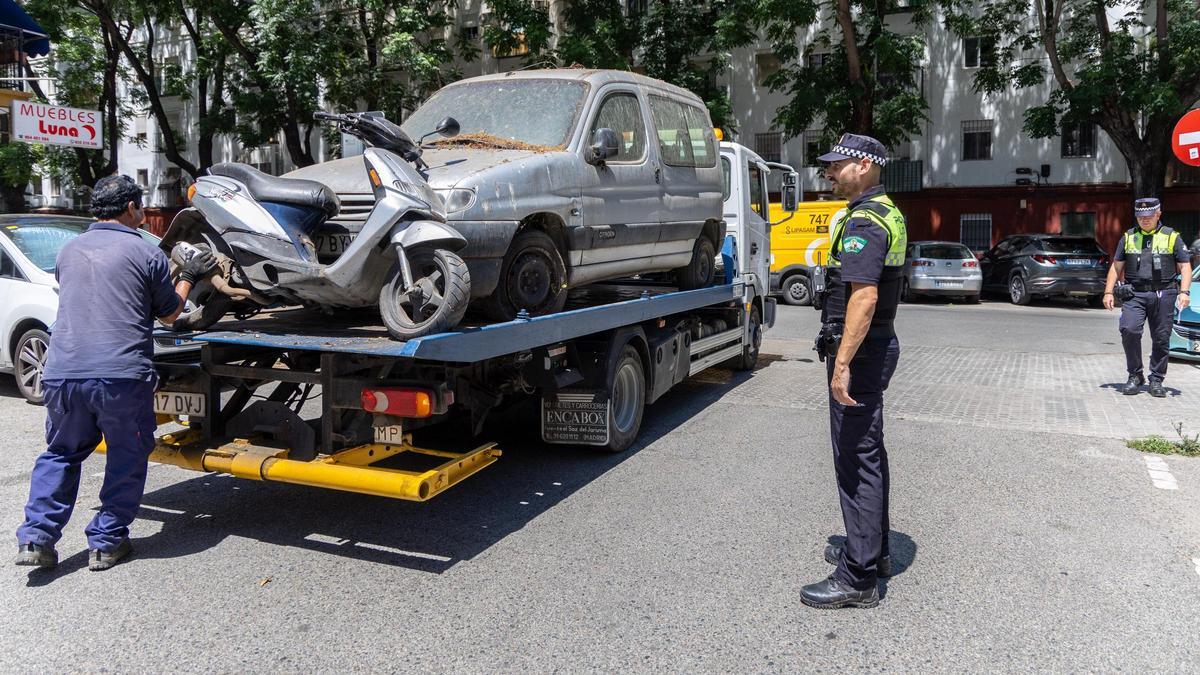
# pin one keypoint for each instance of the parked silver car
(945, 268)
(559, 178)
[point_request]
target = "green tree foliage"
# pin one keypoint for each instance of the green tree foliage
(599, 34)
(1130, 68)
(518, 27)
(858, 70)
(16, 169)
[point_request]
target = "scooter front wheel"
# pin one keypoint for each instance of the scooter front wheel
(434, 303)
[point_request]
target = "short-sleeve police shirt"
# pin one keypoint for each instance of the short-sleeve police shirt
(864, 245)
(1146, 272)
(112, 285)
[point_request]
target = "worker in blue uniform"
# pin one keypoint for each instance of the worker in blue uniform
(99, 379)
(1149, 256)
(858, 343)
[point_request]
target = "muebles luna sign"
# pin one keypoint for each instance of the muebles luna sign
(56, 125)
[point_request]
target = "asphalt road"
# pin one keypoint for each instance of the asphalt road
(1026, 534)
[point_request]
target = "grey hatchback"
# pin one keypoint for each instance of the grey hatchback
(942, 268)
(1028, 266)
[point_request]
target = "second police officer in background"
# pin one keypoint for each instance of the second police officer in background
(1149, 256)
(858, 343)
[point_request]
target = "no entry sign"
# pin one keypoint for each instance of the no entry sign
(1185, 140)
(56, 125)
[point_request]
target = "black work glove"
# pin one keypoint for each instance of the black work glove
(198, 266)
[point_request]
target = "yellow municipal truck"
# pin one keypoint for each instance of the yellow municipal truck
(797, 245)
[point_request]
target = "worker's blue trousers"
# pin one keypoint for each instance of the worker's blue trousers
(77, 413)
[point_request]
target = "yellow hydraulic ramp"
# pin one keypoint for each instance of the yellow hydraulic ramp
(350, 470)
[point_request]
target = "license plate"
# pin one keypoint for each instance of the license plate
(332, 244)
(180, 403)
(393, 434)
(1078, 262)
(1196, 346)
(949, 284)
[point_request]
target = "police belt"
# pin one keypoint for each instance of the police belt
(875, 332)
(1148, 287)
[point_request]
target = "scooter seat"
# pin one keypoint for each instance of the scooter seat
(267, 188)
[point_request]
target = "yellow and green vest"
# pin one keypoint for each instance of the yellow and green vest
(882, 211)
(1162, 246)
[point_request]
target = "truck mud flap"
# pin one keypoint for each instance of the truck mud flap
(576, 417)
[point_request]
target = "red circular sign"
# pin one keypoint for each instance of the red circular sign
(1185, 139)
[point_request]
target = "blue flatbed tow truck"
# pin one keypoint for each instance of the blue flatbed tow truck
(246, 406)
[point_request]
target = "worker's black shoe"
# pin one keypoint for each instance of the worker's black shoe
(833, 594)
(32, 555)
(883, 568)
(1157, 390)
(1133, 385)
(102, 560)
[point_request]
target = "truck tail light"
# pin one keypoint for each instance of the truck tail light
(922, 263)
(970, 263)
(1046, 259)
(398, 402)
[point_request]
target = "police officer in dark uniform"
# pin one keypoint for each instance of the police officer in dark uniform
(858, 343)
(1149, 256)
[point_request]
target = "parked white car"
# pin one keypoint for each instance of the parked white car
(29, 246)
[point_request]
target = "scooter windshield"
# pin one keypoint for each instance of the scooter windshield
(505, 114)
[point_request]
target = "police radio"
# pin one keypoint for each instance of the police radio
(818, 287)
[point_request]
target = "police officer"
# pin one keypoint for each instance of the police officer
(99, 378)
(866, 267)
(1149, 256)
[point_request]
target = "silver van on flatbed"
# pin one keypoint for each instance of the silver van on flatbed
(559, 178)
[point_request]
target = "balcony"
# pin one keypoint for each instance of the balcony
(11, 58)
(904, 175)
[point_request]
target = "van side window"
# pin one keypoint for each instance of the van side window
(685, 137)
(758, 198)
(622, 114)
(727, 177)
(8, 268)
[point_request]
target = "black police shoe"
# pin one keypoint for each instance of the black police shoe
(102, 560)
(833, 594)
(1157, 390)
(833, 554)
(1133, 385)
(32, 555)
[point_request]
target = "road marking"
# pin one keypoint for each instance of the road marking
(161, 509)
(1160, 474)
(1196, 562)
(337, 541)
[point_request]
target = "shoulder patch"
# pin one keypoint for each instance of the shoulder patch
(853, 244)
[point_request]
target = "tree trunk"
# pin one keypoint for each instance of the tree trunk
(1148, 173)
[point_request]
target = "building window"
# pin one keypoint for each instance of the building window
(976, 139)
(975, 230)
(139, 129)
(978, 52)
(818, 61)
(1079, 140)
(55, 187)
(470, 33)
(1186, 223)
(143, 178)
(766, 65)
(637, 7)
(36, 181)
(812, 147)
(769, 146)
(1077, 224)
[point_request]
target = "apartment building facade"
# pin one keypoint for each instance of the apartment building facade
(971, 175)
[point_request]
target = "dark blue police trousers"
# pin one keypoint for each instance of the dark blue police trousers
(77, 413)
(861, 462)
(1158, 309)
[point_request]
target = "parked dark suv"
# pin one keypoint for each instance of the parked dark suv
(1028, 266)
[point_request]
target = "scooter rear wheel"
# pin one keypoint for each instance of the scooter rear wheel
(436, 301)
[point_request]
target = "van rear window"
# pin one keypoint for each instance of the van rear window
(685, 135)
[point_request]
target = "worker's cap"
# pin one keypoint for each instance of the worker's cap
(854, 146)
(1146, 206)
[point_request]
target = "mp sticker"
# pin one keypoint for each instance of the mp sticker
(853, 244)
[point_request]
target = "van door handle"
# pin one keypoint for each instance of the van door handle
(754, 248)
(658, 175)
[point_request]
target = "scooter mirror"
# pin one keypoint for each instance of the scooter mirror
(448, 127)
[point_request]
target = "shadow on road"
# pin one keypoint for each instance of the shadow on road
(530, 479)
(901, 548)
(1116, 386)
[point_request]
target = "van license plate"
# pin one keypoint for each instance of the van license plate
(179, 403)
(392, 434)
(332, 244)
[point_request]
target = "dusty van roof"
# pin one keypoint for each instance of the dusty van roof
(593, 77)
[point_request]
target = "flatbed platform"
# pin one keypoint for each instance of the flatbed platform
(592, 309)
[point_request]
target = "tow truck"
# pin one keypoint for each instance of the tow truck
(246, 407)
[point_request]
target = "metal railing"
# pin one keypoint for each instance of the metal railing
(11, 71)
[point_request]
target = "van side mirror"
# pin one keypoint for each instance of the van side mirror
(605, 144)
(790, 194)
(448, 127)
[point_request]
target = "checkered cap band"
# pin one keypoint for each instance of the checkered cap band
(851, 152)
(1146, 207)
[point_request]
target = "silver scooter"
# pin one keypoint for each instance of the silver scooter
(261, 227)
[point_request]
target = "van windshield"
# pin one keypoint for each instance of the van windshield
(509, 114)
